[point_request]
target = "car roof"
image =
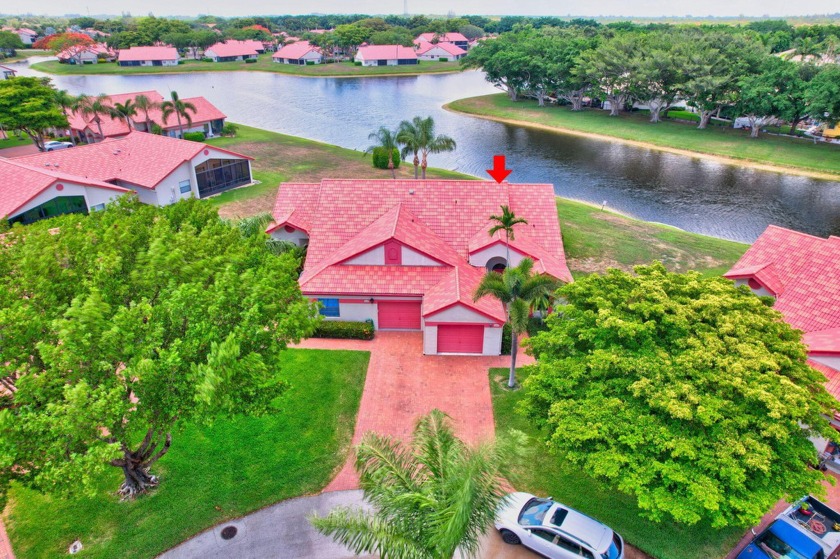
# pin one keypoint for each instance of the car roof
(578, 525)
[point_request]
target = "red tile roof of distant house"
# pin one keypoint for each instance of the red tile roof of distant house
(387, 52)
(443, 38)
(450, 48)
(138, 158)
(232, 48)
(296, 51)
(22, 182)
(12, 70)
(135, 54)
(438, 219)
(76, 50)
(27, 31)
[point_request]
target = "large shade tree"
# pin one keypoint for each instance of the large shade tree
(431, 497)
(29, 105)
(120, 326)
(686, 392)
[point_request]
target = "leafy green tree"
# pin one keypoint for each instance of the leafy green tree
(180, 108)
(350, 36)
(569, 82)
(431, 497)
(686, 392)
(659, 72)
(471, 32)
(504, 62)
(29, 105)
(611, 68)
(517, 288)
(10, 42)
(386, 140)
(120, 326)
(823, 94)
(759, 98)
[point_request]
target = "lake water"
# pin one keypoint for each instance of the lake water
(705, 197)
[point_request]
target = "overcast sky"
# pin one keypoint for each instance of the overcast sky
(487, 7)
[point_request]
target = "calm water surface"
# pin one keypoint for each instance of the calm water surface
(705, 197)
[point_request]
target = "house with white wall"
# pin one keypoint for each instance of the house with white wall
(148, 56)
(232, 51)
(408, 255)
(86, 54)
(300, 53)
(457, 39)
(385, 55)
(440, 51)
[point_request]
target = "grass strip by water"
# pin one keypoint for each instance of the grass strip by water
(782, 154)
(264, 63)
(211, 473)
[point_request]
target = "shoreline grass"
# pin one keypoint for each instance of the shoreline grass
(723, 144)
(264, 64)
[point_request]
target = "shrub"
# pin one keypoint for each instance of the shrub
(194, 136)
(63, 139)
(229, 129)
(380, 158)
(250, 60)
(345, 330)
(206, 59)
(684, 115)
(310, 63)
(156, 129)
(357, 63)
(444, 59)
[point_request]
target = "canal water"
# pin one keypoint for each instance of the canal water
(716, 199)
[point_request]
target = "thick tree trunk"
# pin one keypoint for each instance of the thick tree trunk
(511, 91)
(793, 124)
(416, 166)
(541, 98)
(705, 117)
(616, 104)
(577, 103)
(391, 166)
(656, 110)
(754, 131)
(136, 465)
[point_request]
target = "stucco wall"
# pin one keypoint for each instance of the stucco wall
(373, 257)
(762, 292)
(357, 312)
(833, 362)
(92, 195)
(295, 236)
(481, 257)
(430, 340)
(411, 257)
(460, 313)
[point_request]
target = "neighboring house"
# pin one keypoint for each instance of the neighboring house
(159, 169)
(299, 53)
(455, 38)
(6, 73)
(386, 55)
(31, 192)
(437, 51)
(149, 56)
(232, 51)
(27, 36)
(207, 119)
(802, 273)
(408, 254)
(86, 54)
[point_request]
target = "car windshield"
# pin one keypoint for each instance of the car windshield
(612, 552)
(534, 511)
(769, 541)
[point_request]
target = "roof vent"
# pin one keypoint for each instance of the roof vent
(55, 165)
(46, 164)
(411, 191)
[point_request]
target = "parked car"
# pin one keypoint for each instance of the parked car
(554, 530)
(54, 145)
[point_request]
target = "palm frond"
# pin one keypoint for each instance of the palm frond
(383, 462)
(363, 533)
(434, 442)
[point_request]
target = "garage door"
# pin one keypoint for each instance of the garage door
(460, 338)
(403, 315)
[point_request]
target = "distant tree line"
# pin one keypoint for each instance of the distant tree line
(716, 70)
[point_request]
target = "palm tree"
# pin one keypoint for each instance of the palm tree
(505, 222)
(124, 111)
(517, 288)
(409, 136)
(95, 105)
(68, 104)
(430, 497)
(145, 104)
(431, 142)
(180, 108)
(387, 140)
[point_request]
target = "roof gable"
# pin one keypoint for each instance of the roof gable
(296, 50)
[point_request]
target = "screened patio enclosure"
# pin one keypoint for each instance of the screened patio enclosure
(217, 175)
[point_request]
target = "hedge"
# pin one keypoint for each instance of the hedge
(443, 59)
(380, 158)
(194, 136)
(345, 330)
(250, 61)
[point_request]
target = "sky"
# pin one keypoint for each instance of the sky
(638, 8)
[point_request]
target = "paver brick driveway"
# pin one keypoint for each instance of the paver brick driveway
(403, 384)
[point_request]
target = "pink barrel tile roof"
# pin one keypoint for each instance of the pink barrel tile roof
(76, 50)
(20, 183)
(450, 48)
(823, 342)
(233, 48)
(832, 378)
(386, 52)
(296, 51)
(135, 54)
(138, 158)
(458, 287)
(443, 38)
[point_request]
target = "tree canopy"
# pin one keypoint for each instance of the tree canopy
(687, 392)
(119, 326)
(29, 105)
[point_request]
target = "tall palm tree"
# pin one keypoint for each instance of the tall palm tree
(124, 111)
(505, 222)
(409, 136)
(96, 106)
(432, 143)
(517, 288)
(387, 140)
(145, 105)
(431, 497)
(68, 104)
(180, 109)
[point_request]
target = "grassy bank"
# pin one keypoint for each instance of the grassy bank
(264, 64)
(281, 158)
(211, 473)
(767, 152)
(12, 141)
(23, 54)
(575, 488)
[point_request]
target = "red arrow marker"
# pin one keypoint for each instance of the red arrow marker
(498, 172)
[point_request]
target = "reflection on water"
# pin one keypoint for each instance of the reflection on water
(693, 194)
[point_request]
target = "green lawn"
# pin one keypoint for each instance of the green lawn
(11, 141)
(264, 64)
(546, 476)
(23, 54)
(719, 141)
(281, 158)
(596, 240)
(210, 474)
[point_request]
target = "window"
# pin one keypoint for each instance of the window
(184, 186)
(329, 307)
(568, 545)
(534, 512)
(544, 534)
(97, 208)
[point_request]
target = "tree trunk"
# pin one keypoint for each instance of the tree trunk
(616, 104)
(514, 347)
(180, 126)
(754, 131)
(391, 165)
(99, 126)
(541, 98)
(136, 464)
(793, 124)
(577, 103)
(416, 166)
(511, 91)
(705, 117)
(423, 165)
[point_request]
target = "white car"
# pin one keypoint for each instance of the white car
(554, 530)
(52, 146)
